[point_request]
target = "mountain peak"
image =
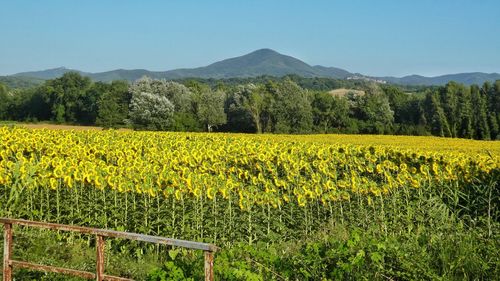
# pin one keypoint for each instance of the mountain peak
(60, 68)
(265, 51)
(260, 62)
(261, 55)
(48, 73)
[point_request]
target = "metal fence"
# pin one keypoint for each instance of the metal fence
(9, 263)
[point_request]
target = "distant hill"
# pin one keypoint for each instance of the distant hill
(331, 72)
(49, 73)
(466, 78)
(258, 63)
(124, 74)
(20, 82)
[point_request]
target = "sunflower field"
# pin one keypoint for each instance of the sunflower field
(233, 189)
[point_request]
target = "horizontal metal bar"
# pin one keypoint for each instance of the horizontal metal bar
(53, 269)
(115, 234)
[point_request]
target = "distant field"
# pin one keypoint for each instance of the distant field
(342, 92)
(49, 126)
(59, 127)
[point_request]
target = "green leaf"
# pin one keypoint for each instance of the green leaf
(173, 253)
(376, 257)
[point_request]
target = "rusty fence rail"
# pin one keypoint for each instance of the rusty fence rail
(9, 263)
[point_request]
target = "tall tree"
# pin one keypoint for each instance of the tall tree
(179, 95)
(464, 112)
(87, 103)
(480, 114)
(291, 111)
(149, 107)
(449, 102)
(323, 112)
(494, 109)
(250, 99)
(435, 115)
(239, 117)
(185, 107)
(210, 108)
(113, 105)
(374, 108)
(398, 101)
(254, 104)
(62, 95)
(4, 102)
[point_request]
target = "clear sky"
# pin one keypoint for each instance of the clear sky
(373, 37)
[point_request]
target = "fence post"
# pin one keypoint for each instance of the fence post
(100, 258)
(209, 266)
(7, 251)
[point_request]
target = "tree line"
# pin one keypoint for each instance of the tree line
(262, 105)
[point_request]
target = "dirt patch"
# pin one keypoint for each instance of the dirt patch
(62, 127)
(343, 92)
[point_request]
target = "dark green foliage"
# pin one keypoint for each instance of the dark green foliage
(400, 104)
(185, 122)
(309, 83)
(66, 96)
(459, 111)
(375, 110)
(239, 111)
(4, 102)
(113, 105)
(330, 113)
(465, 113)
(493, 96)
(479, 114)
(87, 104)
(435, 116)
(290, 110)
(27, 105)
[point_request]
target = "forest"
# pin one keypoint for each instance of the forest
(287, 105)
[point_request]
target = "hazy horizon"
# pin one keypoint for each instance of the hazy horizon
(383, 38)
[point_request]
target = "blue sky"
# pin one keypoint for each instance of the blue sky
(397, 37)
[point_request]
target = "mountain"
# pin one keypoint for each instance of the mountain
(466, 78)
(262, 62)
(124, 74)
(20, 82)
(257, 63)
(332, 72)
(49, 73)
